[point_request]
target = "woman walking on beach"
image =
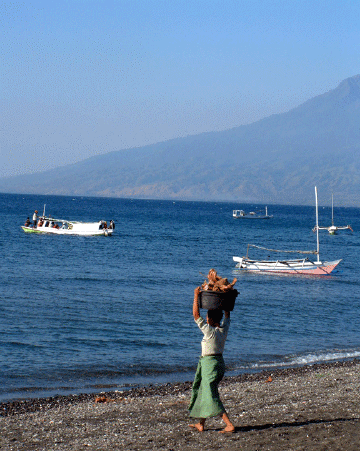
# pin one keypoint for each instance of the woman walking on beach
(205, 400)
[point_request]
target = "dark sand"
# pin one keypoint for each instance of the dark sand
(309, 408)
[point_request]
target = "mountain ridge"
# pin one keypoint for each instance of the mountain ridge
(277, 159)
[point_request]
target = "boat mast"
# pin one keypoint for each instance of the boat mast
(317, 226)
(332, 208)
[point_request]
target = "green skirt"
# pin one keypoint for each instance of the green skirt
(205, 400)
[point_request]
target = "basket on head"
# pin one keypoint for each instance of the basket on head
(225, 300)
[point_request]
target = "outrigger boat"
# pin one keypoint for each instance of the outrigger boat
(49, 225)
(240, 214)
(297, 266)
(333, 228)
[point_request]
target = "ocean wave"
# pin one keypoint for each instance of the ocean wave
(305, 359)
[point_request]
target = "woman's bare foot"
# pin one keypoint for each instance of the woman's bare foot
(229, 426)
(198, 426)
(227, 429)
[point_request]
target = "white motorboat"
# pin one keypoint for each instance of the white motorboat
(240, 214)
(49, 225)
(297, 266)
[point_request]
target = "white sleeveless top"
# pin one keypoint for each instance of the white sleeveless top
(214, 337)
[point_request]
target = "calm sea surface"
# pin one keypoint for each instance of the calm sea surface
(85, 314)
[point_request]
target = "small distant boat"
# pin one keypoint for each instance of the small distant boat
(297, 266)
(240, 214)
(333, 228)
(49, 225)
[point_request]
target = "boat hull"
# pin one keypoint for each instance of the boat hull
(53, 231)
(286, 266)
(252, 217)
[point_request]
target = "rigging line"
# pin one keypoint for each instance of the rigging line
(281, 250)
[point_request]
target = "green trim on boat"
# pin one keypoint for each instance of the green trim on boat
(28, 230)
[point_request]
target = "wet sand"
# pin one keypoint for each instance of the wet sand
(308, 408)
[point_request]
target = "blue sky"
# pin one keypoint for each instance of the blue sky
(80, 78)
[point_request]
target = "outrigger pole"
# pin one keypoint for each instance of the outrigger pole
(317, 226)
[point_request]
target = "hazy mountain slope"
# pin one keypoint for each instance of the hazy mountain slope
(276, 160)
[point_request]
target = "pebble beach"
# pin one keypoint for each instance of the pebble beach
(313, 407)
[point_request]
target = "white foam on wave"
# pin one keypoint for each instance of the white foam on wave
(308, 359)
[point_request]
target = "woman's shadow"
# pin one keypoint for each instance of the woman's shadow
(262, 427)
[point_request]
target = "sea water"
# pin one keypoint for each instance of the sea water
(88, 314)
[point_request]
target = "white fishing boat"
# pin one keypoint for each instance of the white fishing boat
(284, 266)
(333, 228)
(50, 225)
(240, 214)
